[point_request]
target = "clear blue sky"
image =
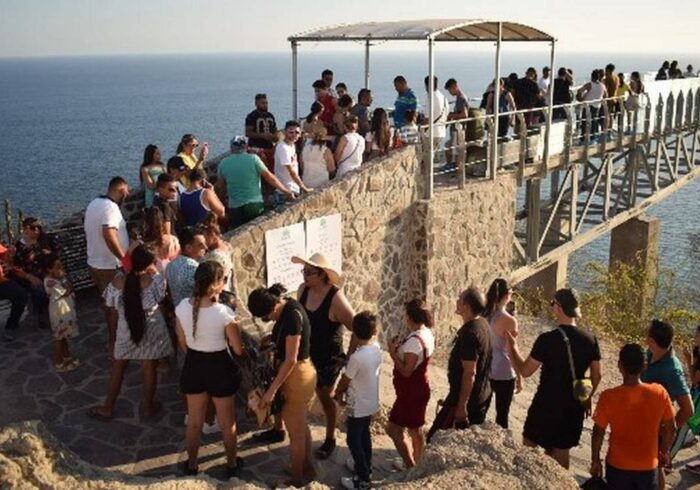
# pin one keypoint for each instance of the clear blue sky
(75, 27)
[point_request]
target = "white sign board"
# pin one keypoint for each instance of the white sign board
(280, 245)
(325, 235)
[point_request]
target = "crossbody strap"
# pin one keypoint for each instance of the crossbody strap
(357, 144)
(568, 350)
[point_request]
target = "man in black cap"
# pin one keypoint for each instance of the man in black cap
(555, 418)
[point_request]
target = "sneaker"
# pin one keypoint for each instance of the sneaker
(8, 336)
(353, 483)
(270, 436)
(326, 449)
(212, 428)
(234, 472)
(186, 470)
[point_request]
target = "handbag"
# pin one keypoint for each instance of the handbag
(582, 386)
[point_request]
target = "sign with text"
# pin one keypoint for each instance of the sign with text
(281, 244)
(325, 235)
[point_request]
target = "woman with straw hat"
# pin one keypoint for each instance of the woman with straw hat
(328, 309)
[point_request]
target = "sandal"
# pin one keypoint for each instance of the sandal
(289, 483)
(326, 449)
(94, 413)
(233, 471)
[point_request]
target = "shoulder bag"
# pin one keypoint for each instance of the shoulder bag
(582, 386)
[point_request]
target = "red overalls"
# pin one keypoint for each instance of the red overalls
(412, 393)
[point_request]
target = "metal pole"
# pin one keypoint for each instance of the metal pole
(431, 128)
(295, 81)
(550, 104)
(367, 45)
(493, 164)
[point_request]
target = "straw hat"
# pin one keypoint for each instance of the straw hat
(320, 261)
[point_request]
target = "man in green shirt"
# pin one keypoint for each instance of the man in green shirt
(239, 179)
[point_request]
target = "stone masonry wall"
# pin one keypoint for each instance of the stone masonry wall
(379, 243)
(469, 238)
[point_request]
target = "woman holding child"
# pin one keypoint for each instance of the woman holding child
(296, 376)
(411, 356)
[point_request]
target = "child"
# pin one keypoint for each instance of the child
(409, 131)
(61, 313)
(361, 381)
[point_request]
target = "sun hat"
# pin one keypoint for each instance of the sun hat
(569, 302)
(320, 261)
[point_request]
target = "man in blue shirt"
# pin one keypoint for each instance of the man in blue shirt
(663, 367)
(406, 101)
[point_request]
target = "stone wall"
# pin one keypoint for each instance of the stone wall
(469, 238)
(380, 246)
(397, 246)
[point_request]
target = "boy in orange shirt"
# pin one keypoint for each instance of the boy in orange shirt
(642, 424)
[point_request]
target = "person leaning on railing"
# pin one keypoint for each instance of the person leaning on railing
(506, 104)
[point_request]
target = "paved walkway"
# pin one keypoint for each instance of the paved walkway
(31, 389)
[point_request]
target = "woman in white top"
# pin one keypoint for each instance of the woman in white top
(593, 92)
(318, 160)
(205, 330)
(411, 357)
(351, 147)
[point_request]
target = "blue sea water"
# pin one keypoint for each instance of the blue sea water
(68, 124)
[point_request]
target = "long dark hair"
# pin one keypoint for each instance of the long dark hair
(207, 274)
(148, 158)
(381, 130)
(499, 289)
(155, 226)
(186, 139)
(316, 108)
(262, 301)
(141, 259)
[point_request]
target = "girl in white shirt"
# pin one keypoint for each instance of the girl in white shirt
(205, 330)
(351, 147)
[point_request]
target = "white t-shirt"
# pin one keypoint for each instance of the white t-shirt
(351, 158)
(543, 84)
(363, 371)
(286, 156)
(315, 168)
(440, 112)
(413, 346)
(211, 325)
(102, 211)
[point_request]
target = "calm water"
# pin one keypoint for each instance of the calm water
(69, 124)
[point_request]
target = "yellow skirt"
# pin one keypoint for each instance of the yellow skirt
(300, 386)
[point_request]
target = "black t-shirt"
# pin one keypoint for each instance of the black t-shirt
(556, 384)
(526, 92)
(473, 343)
(261, 122)
(562, 91)
(293, 321)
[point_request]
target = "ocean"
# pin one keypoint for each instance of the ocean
(68, 124)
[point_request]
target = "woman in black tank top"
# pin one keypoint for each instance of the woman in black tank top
(327, 309)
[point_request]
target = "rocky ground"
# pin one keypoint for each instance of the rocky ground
(64, 448)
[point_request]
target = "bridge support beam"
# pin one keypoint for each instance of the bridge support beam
(635, 243)
(549, 279)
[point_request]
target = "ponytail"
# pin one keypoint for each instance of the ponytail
(419, 313)
(141, 258)
(499, 289)
(262, 301)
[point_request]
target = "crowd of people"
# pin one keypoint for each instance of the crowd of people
(167, 285)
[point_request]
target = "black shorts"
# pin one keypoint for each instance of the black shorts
(214, 373)
(327, 372)
(554, 425)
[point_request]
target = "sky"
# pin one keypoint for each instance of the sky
(91, 27)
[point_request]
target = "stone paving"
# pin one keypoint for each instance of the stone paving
(31, 389)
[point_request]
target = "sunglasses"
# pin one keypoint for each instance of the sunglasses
(194, 145)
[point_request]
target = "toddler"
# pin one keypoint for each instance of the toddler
(61, 313)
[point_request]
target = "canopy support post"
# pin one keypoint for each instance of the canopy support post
(431, 126)
(550, 104)
(295, 81)
(493, 164)
(367, 46)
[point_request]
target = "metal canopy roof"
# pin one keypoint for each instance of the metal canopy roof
(422, 30)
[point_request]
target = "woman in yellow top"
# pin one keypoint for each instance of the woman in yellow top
(185, 149)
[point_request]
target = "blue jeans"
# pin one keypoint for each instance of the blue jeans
(360, 445)
(279, 199)
(18, 297)
(630, 480)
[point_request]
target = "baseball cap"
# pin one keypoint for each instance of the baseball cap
(238, 142)
(177, 163)
(569, 302)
